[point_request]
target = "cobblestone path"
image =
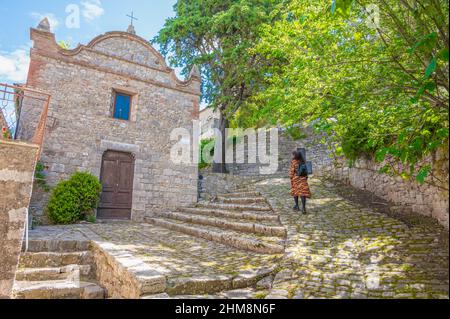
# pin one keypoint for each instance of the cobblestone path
(340, 249)
(343, 250)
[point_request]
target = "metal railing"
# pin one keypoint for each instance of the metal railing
(23, 117)
(14, 100)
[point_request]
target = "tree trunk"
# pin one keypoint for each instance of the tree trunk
(222, 167)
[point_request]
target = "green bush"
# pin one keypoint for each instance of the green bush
(73, 200)
(203, 144)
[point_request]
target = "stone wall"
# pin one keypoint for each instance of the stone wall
(212, 184)
(17, 163)
(430, 199)
(317, 152)
(81, 128)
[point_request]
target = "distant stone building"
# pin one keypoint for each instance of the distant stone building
(209, 120)
(114, 105)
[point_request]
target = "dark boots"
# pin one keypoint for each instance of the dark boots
(296, 207)
(303, 205)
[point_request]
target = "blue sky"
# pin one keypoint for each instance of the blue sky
(96, 17)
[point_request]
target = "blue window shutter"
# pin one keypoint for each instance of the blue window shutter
(123, 104)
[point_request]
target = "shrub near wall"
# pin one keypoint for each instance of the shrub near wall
(74, 200)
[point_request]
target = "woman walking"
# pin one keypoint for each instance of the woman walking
(299, 181)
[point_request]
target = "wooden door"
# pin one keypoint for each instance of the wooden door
(117, 180)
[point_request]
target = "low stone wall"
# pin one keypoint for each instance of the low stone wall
(123, 275)
(17, 163)
(430, 199)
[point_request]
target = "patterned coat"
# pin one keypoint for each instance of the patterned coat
(299, 184)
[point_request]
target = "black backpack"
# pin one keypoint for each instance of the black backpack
(302, 170)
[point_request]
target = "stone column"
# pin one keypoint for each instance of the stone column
(17, 163)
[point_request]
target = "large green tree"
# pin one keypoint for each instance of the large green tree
(374, 74)
(217, 35)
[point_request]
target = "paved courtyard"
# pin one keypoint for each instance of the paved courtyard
(340, 249)
(175, 255)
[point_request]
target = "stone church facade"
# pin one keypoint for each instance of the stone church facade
(114, 105)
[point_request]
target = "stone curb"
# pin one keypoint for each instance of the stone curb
(231, 215)
(221, 223)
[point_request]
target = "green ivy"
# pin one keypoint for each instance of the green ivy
(39, 177)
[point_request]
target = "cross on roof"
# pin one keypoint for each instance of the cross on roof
(132, 17)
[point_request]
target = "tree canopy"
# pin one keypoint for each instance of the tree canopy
(217, 36)
(374, 76)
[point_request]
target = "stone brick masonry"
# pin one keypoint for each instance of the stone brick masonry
(17, 161)
(429, 199)
(81, 127)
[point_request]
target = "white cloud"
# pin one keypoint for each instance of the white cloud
(54, 22)
(14, 66)
(92, 9)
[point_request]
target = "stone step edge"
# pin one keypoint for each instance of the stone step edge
(234, 207)
(199, 285)
(56, 246)
(239, 194)
(277, 231)
(240, 200)
(54, 259)
(53, 273)
(236, 242)
(70, 289)
(246, 215)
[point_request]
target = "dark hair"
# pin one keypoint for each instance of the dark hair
(299, 156)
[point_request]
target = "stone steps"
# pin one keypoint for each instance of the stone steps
(57, 275)
(242, 220)
(57, 246)
(253, 216)
(255, 243)
(237, 207)
(225, 224)
(54, 273)
(54, 259)
(57, 289)
(241, 200)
